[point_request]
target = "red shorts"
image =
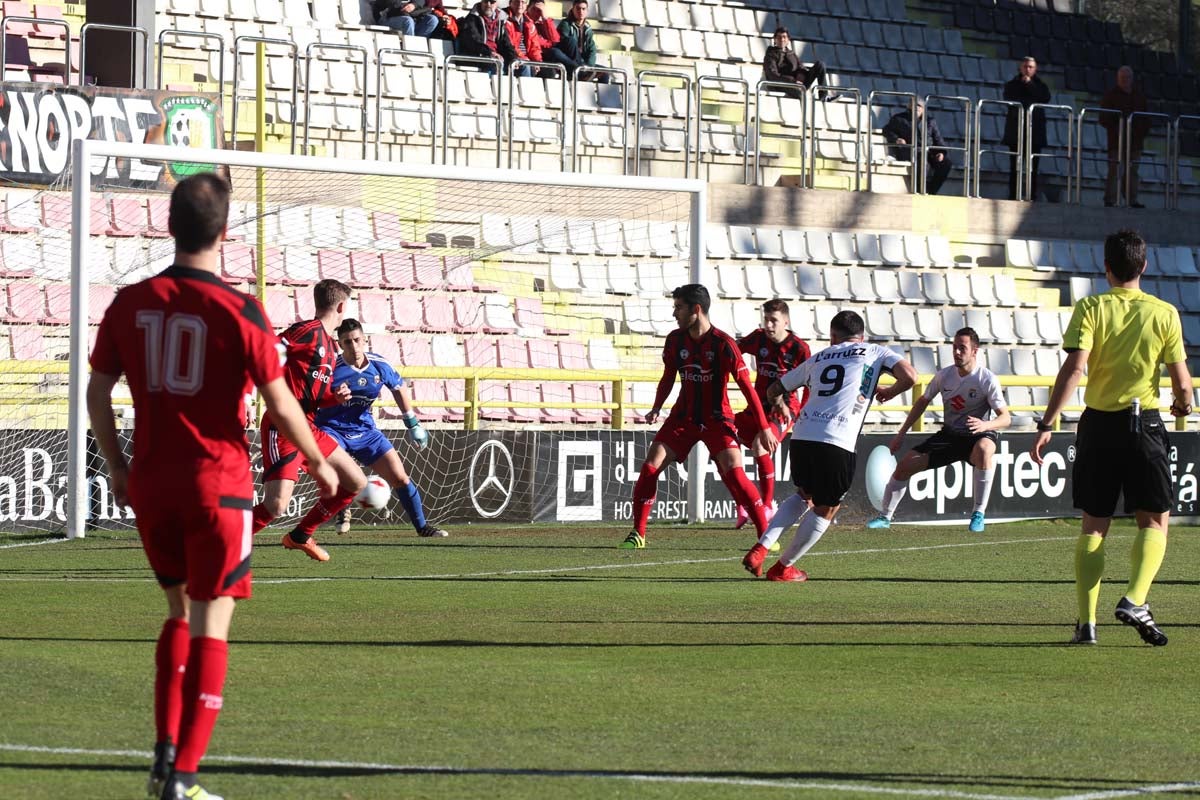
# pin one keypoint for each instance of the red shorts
(281, 460)
(205, 545)
(747, 426)
(681, 436)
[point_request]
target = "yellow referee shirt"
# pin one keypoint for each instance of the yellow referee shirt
(1127, 334)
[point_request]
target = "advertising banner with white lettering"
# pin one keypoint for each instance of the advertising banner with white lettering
(38, 122)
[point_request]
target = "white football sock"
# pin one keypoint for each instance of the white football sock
(983, 487)
(893, 493)
(811, 529)
(785, 517)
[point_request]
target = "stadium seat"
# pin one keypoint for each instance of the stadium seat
(891, 250)
(795, 245)
(887, 286)
(880, 327)
(498, 315)
(622, 277)
(837, 283)
(862, 288)
(375, 310)
(818, 247)
(910, 287)
(731, 281)
(333, 264)
(935, 288)
(407, 311)
(280, 306)
(983, 290)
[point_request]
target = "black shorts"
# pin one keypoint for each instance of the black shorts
(824, 472)
(948, 446)
(1110, 460)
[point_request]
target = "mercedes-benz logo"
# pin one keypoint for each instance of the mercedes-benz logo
(491, 479)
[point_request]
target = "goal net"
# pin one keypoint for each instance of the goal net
(512, 302)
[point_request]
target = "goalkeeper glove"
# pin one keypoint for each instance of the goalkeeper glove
(416, 434)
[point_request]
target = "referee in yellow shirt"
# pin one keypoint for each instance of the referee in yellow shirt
(1121, 336)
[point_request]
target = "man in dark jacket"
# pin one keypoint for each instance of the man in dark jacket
(576, 40)
(782, 65)
(406, 16)
(481, 34)
(1124, 98)
(901, 135)
(1026, 88)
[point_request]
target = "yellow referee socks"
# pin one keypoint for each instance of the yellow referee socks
(1089, 567)
(1145, 557)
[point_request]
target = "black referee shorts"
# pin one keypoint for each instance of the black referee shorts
(824, 472)
(1110, 460)
(948, 446)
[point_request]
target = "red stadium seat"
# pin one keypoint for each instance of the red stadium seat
(407, 311)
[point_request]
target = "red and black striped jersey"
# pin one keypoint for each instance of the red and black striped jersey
(704, 366)
(773, 360)
(311, 357)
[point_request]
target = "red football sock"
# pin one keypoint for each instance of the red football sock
(643, 497)
(324, 510)
(766, 478)
(262, 518)
(170, 661)
(747, 497)
(203, 685)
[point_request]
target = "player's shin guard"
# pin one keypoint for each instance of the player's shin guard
(893, 493)
(746, 495)
(1145, 557)
(1089, 568)
(323, 511)
(203, 687)
(170, 661)
(809, 532)
(789, 511)
(766, 478)
(983, 487)
(410, 500)
(643, 497)
(262, 518)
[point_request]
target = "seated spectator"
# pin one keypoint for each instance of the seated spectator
(548, 38)
(409, 17)
(1128, 100)
(479, 34)
(901, 135)
(523, 35)
(448, 27)
(781, 65)
(576, 40)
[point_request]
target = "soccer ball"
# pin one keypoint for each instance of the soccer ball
(375, 495)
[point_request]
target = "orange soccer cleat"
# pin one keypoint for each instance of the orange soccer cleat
(310, 548)
(779, 572)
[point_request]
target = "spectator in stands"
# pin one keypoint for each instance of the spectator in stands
(548, 40)
(479, 34)
(409, 17)
(782, 65)
(448, 25)
(901, 134)
(523, 35)
(1124, 98)
(576, 39)
(1026, 88)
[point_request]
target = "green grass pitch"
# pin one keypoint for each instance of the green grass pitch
(543, 662)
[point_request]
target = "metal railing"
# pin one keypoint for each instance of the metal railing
(180, 34)
(1176, 152)
(1080, 118)
(133, 30)
(980, 150)
(576, 126)
(910, 146)
(784, 89)
(405, 55)
(308, 60)
(965, 149)
(1030, 156)
(830, 95)
(1127, 187)
(687, 82)
(294, 50)
(719, 82)
(4, 21)
(493, 70)
(560, 123)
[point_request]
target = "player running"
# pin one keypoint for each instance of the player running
(704, 358)
(190, 347)
(776, 350)
(311, 356)
(352, 425)
(971, 394)
(843, 378)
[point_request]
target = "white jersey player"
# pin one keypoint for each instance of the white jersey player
(971, 395)
(843, 381)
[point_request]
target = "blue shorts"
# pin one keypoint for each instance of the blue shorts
(366, 447)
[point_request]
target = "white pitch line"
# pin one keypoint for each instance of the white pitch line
(32, 544)
(538, 773)
(1161, 788)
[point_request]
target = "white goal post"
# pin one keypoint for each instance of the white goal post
(89, 160)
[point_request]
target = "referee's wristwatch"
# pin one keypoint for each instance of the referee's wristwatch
(1044, 427)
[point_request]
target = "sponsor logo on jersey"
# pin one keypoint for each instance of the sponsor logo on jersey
(684, 353)
(363, 381)
(957, 402)
(763, 352)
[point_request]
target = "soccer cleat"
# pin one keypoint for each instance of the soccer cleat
(175, 790)
(976, 524)
(309, 548)
(879, 523)
(753, 560)
(1085, 633)
(782, 572)
(1140, 618)
(741, 519)
(634, 541)
(343, 521)
(433, 532)
(160, 770)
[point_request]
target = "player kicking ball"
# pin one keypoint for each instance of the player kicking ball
(776, 350)
(352, 425)
(842, 380)
(971, 394)
(704, 358)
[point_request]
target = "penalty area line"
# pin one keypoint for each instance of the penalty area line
(32, 544)
(606, 775)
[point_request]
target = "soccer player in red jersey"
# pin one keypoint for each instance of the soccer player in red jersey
(704, 358)
(311, 357)
(190, 347)
(776, 351)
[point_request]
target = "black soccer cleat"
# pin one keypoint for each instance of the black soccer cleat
(160, 770)
(1140, 618)
(432, 531)
(1085, 633)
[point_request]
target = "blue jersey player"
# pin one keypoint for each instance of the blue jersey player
(352, 423)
